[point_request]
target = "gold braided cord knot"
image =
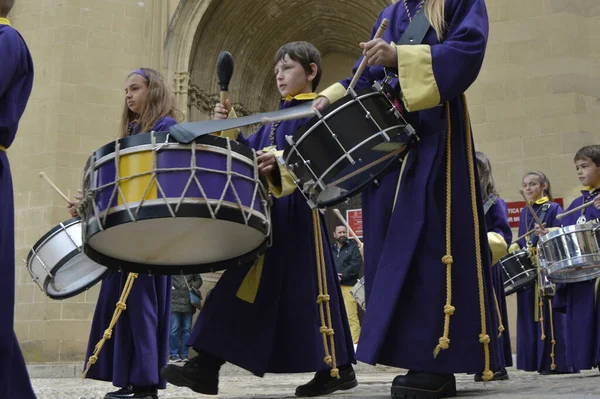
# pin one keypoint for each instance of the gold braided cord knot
(449, 310)
(323, 298)
(487, 373)
(444, 341)
(119, 308)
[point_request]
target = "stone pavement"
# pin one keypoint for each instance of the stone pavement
(372, 385)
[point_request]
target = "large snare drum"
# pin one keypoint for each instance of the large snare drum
(517, 272)
(159, 207)
(358, 293)
(571, 254)
(57, 264)
(355, 140)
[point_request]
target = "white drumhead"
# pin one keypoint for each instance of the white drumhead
(177, 241)
(77, 274)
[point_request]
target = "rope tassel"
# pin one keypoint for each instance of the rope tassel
(553, 342)
(120, 307)
(323, 300)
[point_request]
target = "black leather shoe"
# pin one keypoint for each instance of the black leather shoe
(200, 374)
(554, 372)
(133, 392)
(418, 385)
(323, 383)
(498, 376)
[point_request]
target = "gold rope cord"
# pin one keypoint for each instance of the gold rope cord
(500, 325)
(120, 307)
(444, 340)
(541, 303)
(484, 338)
(323, 299)
(553, 342)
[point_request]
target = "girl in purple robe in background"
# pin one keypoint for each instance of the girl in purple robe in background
(16, 81)
(264, 316)
(427, 260)
(534, 330)
(499, 237)
(578, 300)
(132, 359)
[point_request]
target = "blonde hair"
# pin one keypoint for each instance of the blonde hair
(435, 12)
(160, 103)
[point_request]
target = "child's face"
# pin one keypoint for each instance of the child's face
(291, 77)
(532, 187)
(136, 93)
(588, 172)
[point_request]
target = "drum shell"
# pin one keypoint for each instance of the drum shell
(518, 272)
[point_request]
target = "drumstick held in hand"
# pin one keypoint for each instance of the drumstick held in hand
(382, 27)
(527, 233)
(533, 213)
(339, 215)
(580, 207)
(298, 115)
(51, 183)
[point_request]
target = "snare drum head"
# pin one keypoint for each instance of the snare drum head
(353, 143)
(75, 276)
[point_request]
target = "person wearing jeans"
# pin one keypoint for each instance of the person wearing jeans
(182, 312)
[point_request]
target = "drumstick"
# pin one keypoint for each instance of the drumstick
(382, 27)
(289, 117)
(528, 233)
(580, 207)
(224, 73)
(533, 213)
(43, 176)
(339, 215)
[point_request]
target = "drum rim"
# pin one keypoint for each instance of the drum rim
(514, 254)
(146, 139)
(73, 254)
(571, 229)
(517, 288)
(115, 264)
(49, 234)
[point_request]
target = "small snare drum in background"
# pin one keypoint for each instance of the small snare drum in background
(358, 293)
(518, 272)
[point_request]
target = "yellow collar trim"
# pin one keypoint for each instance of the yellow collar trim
(540, 201)
(590, 188)
(4, 21)
(301, 96)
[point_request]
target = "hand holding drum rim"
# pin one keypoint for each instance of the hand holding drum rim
(541, 230)
(266, 162)
(320, 103)
(72, 205)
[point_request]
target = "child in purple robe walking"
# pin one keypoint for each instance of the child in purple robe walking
(578, 300)
(264, 317)
(427, 261)
(499, 237)
(133, 357)
(16, 81)
(536, 329)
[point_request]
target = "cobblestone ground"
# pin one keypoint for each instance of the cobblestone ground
(372, 386)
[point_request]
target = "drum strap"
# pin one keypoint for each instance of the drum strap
(417, 29)
(488, 204)
(542, 216)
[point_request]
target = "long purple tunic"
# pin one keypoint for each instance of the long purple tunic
(405, 278)
(139, 347)
(579, 303)
(16, 80)
(533, 353)
(496, 220)
(279, 331)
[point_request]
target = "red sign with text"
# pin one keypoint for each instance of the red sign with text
(515, 208)
(354, 218)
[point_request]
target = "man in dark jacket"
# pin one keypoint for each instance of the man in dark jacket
(348, 262)
(182, 312)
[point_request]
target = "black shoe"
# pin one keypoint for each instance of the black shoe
(323, 383)
(133, 392)
(498, 376)
(200, 374)
(418, 385)
(554, 372)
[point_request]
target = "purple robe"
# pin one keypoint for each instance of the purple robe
(578, 301)
(16, 80)
(405, 279)
(139, 346)
(533, 353)
(496, 220)
(279, 331)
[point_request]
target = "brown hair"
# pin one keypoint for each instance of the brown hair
(543, 180)
(303, 53)
(486, 179)
(5, 7)
(591, 152)
(160, 103)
